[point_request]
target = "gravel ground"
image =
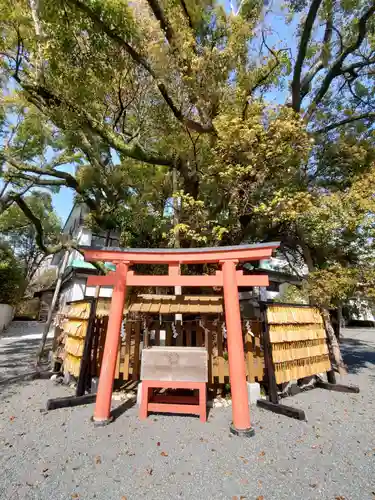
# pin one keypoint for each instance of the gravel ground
(60, 455)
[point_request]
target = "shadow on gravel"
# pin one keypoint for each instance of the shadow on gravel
(12, 389)
(122, 408)
(357, 354)
(17, 357)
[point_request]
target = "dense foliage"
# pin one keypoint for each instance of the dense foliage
(268, 140)
(12, 282)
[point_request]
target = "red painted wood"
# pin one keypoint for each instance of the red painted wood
(167, 280)
(148, 404)
(169, 384)
(160, 257)
(164, 398)
(109, 280)
(176, 279)
(173, 408)
(251, 279)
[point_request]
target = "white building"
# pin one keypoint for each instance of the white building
(75, 276)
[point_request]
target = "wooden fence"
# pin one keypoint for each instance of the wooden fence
(190, 333)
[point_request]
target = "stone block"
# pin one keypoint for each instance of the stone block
(139, 394)
(253, 391)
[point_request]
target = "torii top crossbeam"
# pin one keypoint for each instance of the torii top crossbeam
(206, 255)
(227, 278)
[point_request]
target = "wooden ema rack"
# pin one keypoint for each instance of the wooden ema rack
(295, 346)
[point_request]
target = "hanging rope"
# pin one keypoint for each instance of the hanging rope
(248, 328)
(174, 330)
(123, 329)
(145, 329)
(224, 330)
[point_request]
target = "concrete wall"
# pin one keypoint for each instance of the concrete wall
(6, 316)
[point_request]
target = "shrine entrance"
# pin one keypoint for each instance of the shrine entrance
(228, 278)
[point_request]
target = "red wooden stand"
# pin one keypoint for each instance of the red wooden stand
(173, 404)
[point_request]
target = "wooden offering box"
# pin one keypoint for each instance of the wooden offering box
(177, 364)
(174, 368)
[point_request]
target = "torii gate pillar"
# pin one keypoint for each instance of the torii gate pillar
(236, 355)
(107, 372)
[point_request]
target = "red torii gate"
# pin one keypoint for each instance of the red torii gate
(228, 278)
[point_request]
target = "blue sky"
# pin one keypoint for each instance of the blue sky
(280, 35)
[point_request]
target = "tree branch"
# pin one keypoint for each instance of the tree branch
(140, 60)
(132, 151)
(336, 68)
(36, 222)
(323, 57)
(305, 38)
(35, 8)
(332, 126)
(164, 22)
(186, 14)
(263, 78)
(67, 178)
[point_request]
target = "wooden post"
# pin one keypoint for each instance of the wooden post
(236, 356)
(270, 369)
(52, 307)
(85, 367)
(107, 372)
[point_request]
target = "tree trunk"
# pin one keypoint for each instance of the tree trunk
(334, 348)
(333, 344)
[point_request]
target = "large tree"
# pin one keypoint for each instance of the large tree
(130, 91)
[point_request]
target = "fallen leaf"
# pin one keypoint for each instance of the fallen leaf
(313, 485)
(158, 443)
(98, 460)
(262, 453)
(260, 483)
(12, 418)
(164, 454)
(260, 497)
(242, 497)
(75, 495)
(124, 498)
(234, 498)
(339, 498)
(245, 461)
